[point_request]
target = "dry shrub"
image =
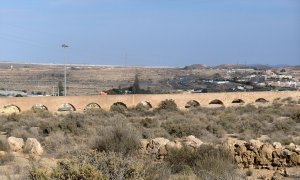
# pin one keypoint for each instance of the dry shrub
(180, 125)
(7, 157)
(58, 143)
(13, 117)
(95, 112)
(93, 165)
(21, 133)
(296, 116)
(150, 123)
(168, 104)
(157, 171)
(41, 113)
(72, 123)
(289, 100)
(4, 146)
(206, 162)
(120, 137)
(114, 165)
(142, 107)
(118, 108)
(67, 169)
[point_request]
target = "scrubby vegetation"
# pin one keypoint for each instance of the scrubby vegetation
(101, 144)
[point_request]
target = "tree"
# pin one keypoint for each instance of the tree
(136, 85)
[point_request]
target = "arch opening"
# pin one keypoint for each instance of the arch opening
(66, 107)
(118, 107)
(92, 106)
(11, 108)
(261, 100)
(144, 104)
(120, 104)
(217, 102)
(238, 101)
(39, 106)
(192, 104)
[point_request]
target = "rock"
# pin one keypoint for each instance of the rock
(240, 149)
(297, 148)
(249, 156)
(160, 141)
(277, 145)
(266, 151)
(33, 147)
(277, 153)
(262, 160)
(192, 141)
(286, 152)
(47, 163)
(264, 138)
(231, 142)
(238, 159)
(15, 144)
(174, 145)
(157, 147)
(291, 147)
(256, 143)
(143, 144)
(2, 153)
(295, 159)
(276, 176)
(276, 162)
(162, 151)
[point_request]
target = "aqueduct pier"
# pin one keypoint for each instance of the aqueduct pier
(53, 103)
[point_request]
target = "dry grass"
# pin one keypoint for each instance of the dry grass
(115, 136)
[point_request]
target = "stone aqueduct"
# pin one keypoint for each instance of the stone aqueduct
(205, 100)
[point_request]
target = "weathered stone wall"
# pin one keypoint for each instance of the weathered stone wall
(80, 102)
(259, 155)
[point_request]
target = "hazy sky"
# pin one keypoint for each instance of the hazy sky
(151, 32)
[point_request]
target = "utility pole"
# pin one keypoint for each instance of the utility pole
(65, 46)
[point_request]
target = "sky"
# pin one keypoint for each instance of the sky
(171, 33)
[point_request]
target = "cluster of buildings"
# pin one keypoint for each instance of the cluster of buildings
(278, 80)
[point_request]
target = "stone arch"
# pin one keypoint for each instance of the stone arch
(261, 100)
(39, 106)
(145, 104)
(192, 104)
(217, 102)
(66, 107)
(119, 104)
(92, 106)
(11, 108)
(118, 107)
(238, 101)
